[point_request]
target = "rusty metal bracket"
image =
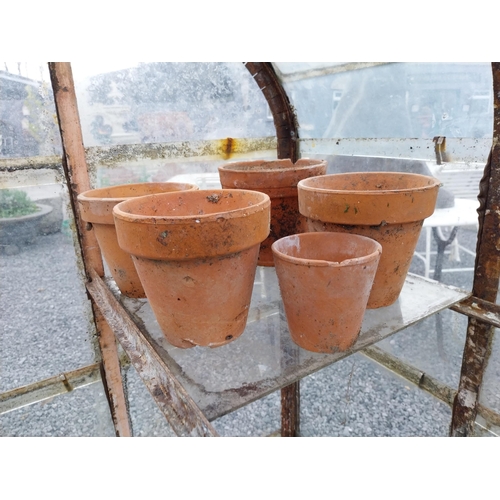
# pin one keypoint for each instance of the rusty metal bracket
(482, 310)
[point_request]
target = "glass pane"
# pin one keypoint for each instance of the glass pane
(264, 358)
(83, 412)
(457, 264)
(46, 318)
(170, 101)
(490, 390)
(145, 416)
(435, 346)
(45, 321)
(27, 112)
(262, 418)
(357, 397)
(391, 100)
(482, 428)
(166, 103)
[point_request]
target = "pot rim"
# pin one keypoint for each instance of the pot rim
(92, 195)
(302, 261)
(262, 202)
(309, 183)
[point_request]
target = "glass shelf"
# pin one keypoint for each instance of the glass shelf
(264, 358)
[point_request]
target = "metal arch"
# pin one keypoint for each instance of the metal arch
(284, 117)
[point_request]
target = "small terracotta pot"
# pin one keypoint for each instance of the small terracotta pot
(278, 179)
(196, 254)
(325, 281)
(389, 207)
(96, 207)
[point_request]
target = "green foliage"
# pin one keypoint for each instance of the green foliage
(14, 203)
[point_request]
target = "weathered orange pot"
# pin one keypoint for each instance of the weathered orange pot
(96, 207)
(278, 179)
(325, 281)
(196, 254)
(389, 207)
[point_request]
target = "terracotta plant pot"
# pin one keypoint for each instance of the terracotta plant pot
(278, 179)
(325, 281)
(96, 207)
(389, 207)
(196, 254)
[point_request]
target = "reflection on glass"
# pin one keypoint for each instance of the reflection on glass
(27, 112)
(170, 101)
(46, 317)
(395, 100)
(46, 323)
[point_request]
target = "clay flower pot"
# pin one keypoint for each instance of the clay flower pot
(278, 179)
(96, 207)
(196, 254)
(389, 207)
(325, 281)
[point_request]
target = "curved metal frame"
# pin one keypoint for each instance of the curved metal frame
(284, 117)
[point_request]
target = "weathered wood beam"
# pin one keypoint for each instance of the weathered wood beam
(77, 178)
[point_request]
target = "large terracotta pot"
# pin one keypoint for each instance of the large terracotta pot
(325, 281)
(389, 207)
(196, 254)
(278, 179)
(96, 207)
